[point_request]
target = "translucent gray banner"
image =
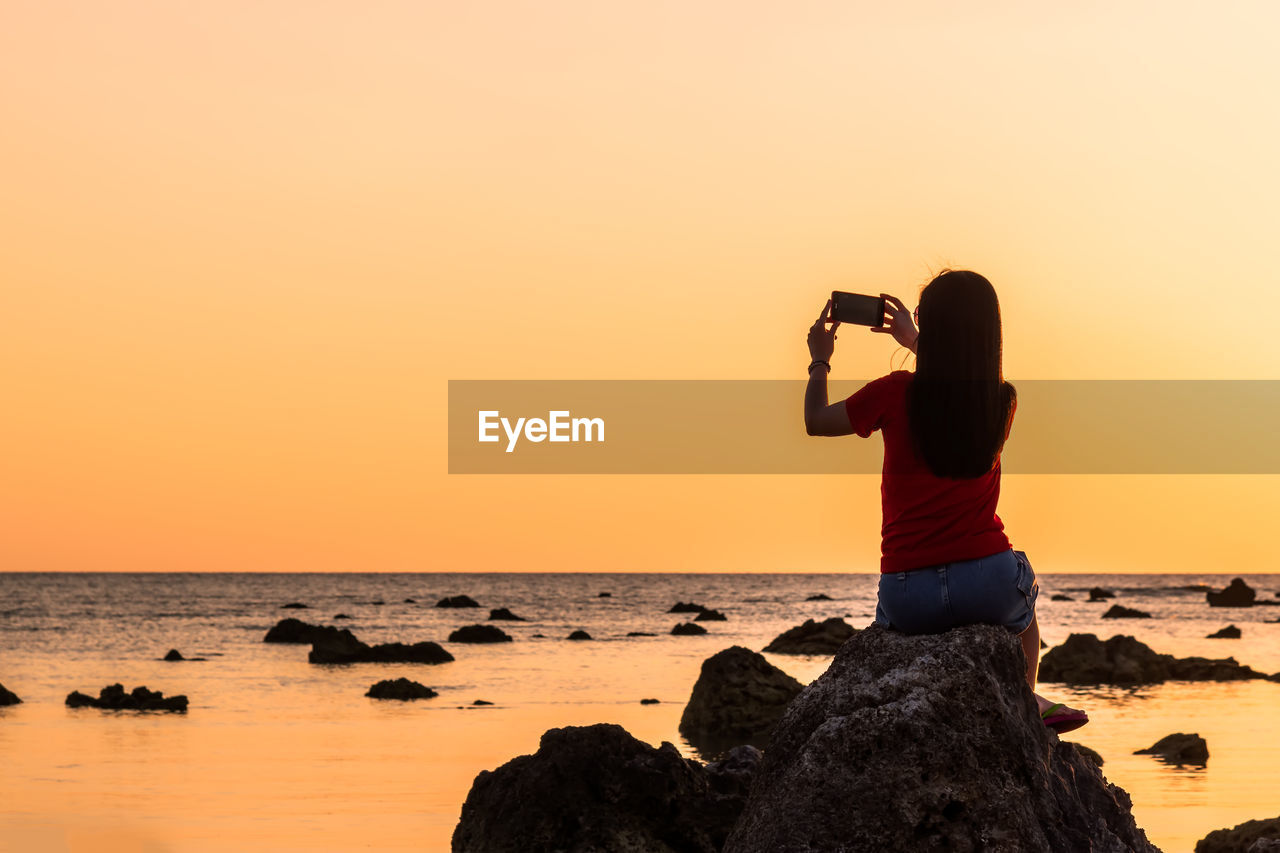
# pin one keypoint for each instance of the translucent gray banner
(757, 427)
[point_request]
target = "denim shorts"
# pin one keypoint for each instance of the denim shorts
(998, 590)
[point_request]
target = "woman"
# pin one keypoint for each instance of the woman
(945, 559)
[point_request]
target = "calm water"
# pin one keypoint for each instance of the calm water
(279, 754)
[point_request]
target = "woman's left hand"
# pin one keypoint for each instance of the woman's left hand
(822, 341)
(899, 323)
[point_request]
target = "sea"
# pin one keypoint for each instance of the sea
(279, 754)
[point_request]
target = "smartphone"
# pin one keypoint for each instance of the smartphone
(857, 309)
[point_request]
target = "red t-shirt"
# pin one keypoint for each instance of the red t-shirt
(928, 520)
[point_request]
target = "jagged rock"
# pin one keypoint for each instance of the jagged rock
(874, 755)
(688, 628)
(343, 647)
(296, 631)
(738, 699)
(686, 607)
(173, 655)
(505, 614)
(821, 596)
(1118, 611)
(709, 616)
(1084, 659)
(648, 701)
(1097, 593)
(479, 634)
(1237, 594)
(640, 634)
(114, 698)
(1179, 749)
(8, 697)
(579, 635)
(812, 638)
(296, 605)
(402, 689)
(1241, 838)
(1265, 845)
(457, 601)
(1060, 597)
(1088, 753)
(1231, 632)
(597, 788)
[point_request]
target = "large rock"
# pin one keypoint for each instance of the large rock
(710, 616)
(928, 742)
(402, 689)
(343, 647)
(8, 697)
(1084, 659)
(812, 638)
(1179, 748)
(738, 699)
(296, 631)
(114, 698)
(597, 788)
(479, 634)
(1241, 838)
(1237, 594)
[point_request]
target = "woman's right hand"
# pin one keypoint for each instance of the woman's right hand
(898, 323)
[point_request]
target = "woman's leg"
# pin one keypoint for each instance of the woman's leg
(1031, 649)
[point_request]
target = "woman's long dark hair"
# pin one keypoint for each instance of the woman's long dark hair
(959, 404)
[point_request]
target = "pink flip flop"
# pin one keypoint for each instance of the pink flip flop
(1058, 718)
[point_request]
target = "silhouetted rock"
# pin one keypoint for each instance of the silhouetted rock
(296, 605)
(688, 629)
(1179, 749)
(1097, 593)
(1194, 587)
(457, 601)
(479, 634)
(1043, 644)
(819, 597)
(709, 616)
(1060, 597)
(641, 634)
(343, 647)
(8, 697)
(504, 613)
(402, 689)
(113, 698)
(1084, 659)
(1231, 632)
(481, 702)
(1088, 753)
(738, 698)
(173, 655)
(1248, 837)
(686, 607)
(579, 635)
(875, 756)
(296, 631)
(812, 638)
(648, 701)
(410, 601)
(1237, 594)
(377, 603)
(341, 616)
(604, 595)
(597, 788)
(1118, 611)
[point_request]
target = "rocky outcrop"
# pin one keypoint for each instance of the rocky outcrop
(296, 631)
(343, 647)
(1119, 611)
(296, 605)
(597, 788)
(114, 698)
(503, 613)
(479, 634)
(579, 635)
(641, 634)
(686, 607)
(648, 701)
(688, 629)
(821, 596)
(1084, 659)
(710, 616)
(1237, 594)
(1231, 632)
(1179, 748)
(738, 699)
(173, 656)
(1060, 597)
(1097, 593)
(8, 697)
(402, 689)
(812, 638)
(1248, 837)
(928, 742)
(604, 595)
(457, 601)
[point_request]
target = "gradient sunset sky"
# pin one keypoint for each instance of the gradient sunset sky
(245, 245)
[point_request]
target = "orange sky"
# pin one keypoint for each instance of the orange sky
(246, 245)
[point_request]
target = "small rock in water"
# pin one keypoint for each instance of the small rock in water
(341, 616)
(504, 613)
(1118, 611)
(544, 635)
(1098, 593)
(1060, 597)
(1179, 749)
(402, 689)
(481, 702)
(604, 595)
(1237, 594)
(640, 634)
(688, 629)
(686, 607)
(579, 635)
(174, 654)
(812, 638)
(343, 647)
(457, 601)
(648, 701)
(296, 631)
(1084, 659)
(480, 634)
(377, 603)
(710, 616)
(1231, 632)
(410, 601)
(114, 698)
(821, 596)
(8, 697)
(296, 605)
